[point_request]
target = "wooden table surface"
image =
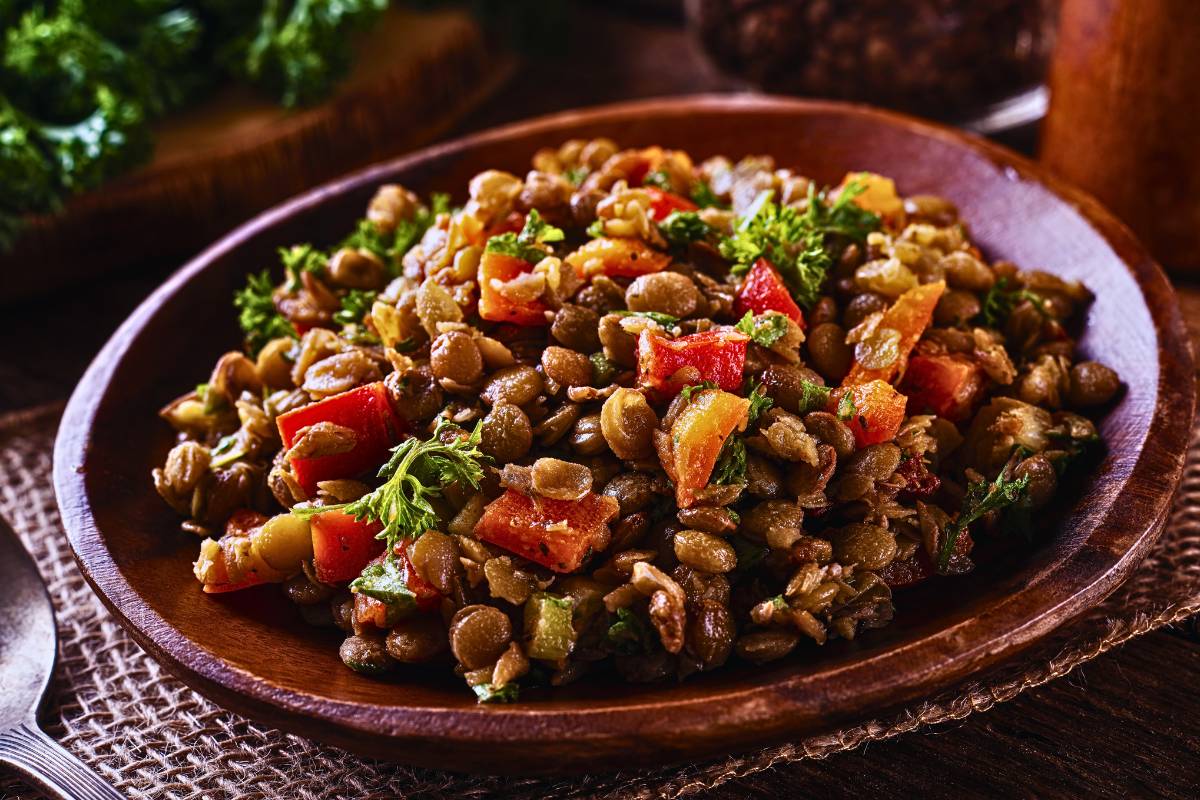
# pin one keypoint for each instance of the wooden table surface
(1123, 725)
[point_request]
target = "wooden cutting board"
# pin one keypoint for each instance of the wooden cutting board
(236, 153)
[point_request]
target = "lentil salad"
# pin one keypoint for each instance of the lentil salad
(629, 412)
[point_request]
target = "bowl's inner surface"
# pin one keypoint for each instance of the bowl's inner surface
(1009, 217)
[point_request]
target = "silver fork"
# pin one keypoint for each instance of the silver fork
(28, 648)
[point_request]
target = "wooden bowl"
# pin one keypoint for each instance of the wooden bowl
(250, 651)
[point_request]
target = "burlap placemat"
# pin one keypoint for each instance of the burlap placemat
(153, 737)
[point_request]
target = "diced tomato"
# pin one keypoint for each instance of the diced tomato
(718, 354)
(493, 305)
(879, 195)
(368, 610)
(663, 203)
(617, 258)
(763, 291)
(948, 385)
(899, 574)
(558, 534)
(878, 411)
(910, 316)
(343, 546)
(366, 411)
(697, 436)
(301, 329)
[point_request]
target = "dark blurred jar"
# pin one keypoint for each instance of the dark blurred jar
(942, 58)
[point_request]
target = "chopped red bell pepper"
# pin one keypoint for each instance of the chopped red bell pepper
(366, 411)
(947, 384)
(617, 258)
(719, 355)
(697, 436)
(558, 534)
(877, 412)
(910, 316)
(343, 546)
(494, 306)
(663, 203)
(368, 610)
(763, 291)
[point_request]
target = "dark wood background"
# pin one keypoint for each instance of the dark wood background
(1124, 725)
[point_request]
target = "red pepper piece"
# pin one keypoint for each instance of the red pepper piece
(948, 385)
(877, 414)
(663, 203)
(366, 411)
(718, 354)
(368, 610)
(343, 546)
(763, 291)
(558, 534)
(494, 306)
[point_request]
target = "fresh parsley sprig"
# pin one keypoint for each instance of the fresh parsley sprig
(799, 245)
(981, 498)
(414, 476)
(257, 316)
(681, 228)
(1000, 300)
(529, 244)
(765, 329)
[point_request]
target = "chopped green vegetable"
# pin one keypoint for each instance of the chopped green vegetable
(765, 329)
(681, 228)
(658, 179)
(356, 304)
(528, 244)
(846, 409)
(703, 196)
(629, 635)
(415, 475)
(760, 402)
(1000, 301)
(731, 463)
(815, 397)
(548, 626)
(666, 320)
(386, 582)
(226, 451)
(798, 245)
(257, 315)
(982, 497)
(603, 370)
(596, 229)
(487, 693)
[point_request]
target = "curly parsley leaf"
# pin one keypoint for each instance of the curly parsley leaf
(300, 258)
(356, 303)
(529, 244)
(760, 402)
(981, 498)
(257, 316)
(681, 228)
(414, 476)
(765, 329)
(799, 246)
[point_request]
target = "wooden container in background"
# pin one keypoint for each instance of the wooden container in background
(1124, 117)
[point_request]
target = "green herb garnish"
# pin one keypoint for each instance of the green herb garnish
(629, 635)
(815, 397)
(703, 386)
(386, 582)
(356, 303)
(1000, 301)
(765, 329)
(981, 498)
(415, 475)
(658, 179)
(300, 258)
(705, 197)
(760, 403)
(508, 693)
(257, 316)
(846, 409)
(681, 228)
(575, 175)
(596, 229)
(798, 245)
(666, 320)
(528, 245)
(603, 370)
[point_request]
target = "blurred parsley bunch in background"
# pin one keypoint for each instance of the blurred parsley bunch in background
(80, 80)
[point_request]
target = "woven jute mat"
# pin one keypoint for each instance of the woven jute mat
(151, 736)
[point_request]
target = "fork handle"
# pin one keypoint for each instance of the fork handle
(50, 767)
